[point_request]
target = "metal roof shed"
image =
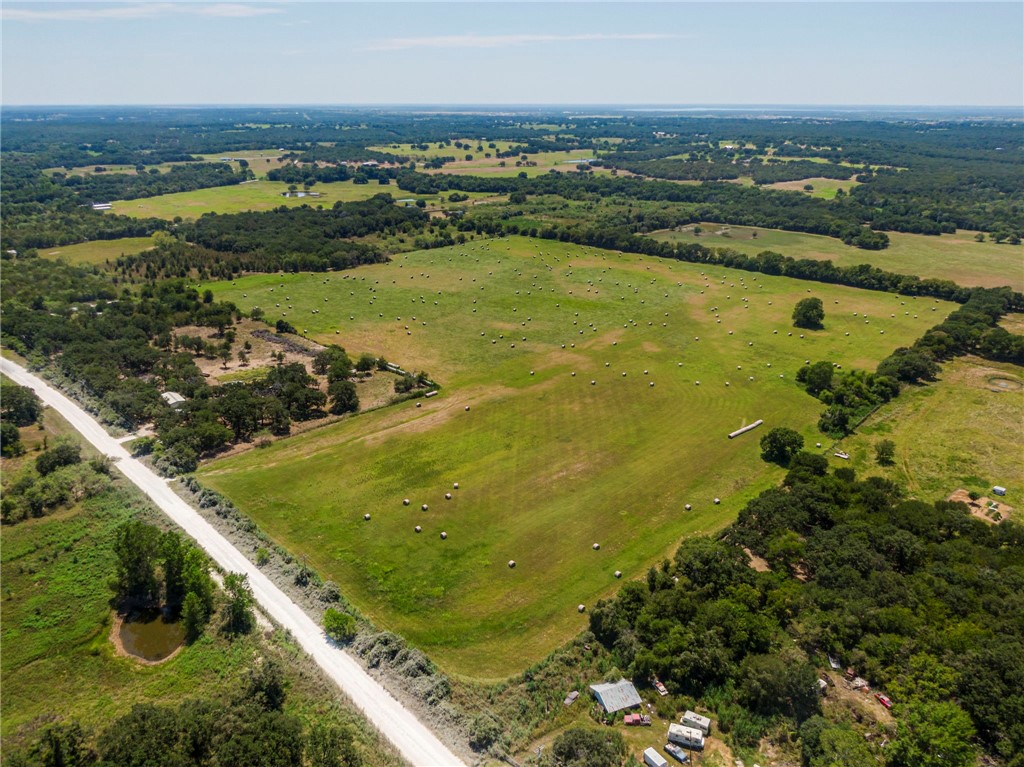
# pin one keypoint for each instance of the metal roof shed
(615, 696)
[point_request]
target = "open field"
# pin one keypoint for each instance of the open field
(954, 257)
(258, 195)
(433, 150)
(825, 188)
(547, 463)
(962, 432)
(260, 161)
(545, 162)
(99, 251)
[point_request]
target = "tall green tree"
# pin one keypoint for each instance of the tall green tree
(932, 735)
(137, 547)
(809, 313)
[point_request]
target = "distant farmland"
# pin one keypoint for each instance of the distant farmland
(548, 463)
(957, 257)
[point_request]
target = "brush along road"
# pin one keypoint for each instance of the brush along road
(416, 743)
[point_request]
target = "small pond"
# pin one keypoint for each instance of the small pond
(151, 635)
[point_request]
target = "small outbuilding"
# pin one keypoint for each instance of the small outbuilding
(616, 696)
(173, 399)
(998, 490)
(653, 759)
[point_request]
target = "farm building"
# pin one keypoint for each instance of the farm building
(173, 399)
(653, 759)
(615, 696)
(102, 206)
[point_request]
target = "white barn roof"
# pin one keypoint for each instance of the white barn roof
(615, 696)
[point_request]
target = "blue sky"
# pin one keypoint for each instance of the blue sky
(516, 53)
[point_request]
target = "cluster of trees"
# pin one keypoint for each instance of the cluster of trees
(57, 478)
(104, 187)
(722, 169)
(163, 569)
(314, 233)
(19, 407)
(248, 727)
(918, 597)
(118, 352)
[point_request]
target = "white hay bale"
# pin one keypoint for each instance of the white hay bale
(593, 382)
(447, 496)
(696, 383)
(467, 408)
(444, 536)
(597, 547)
(424, 507)
(366, 517)
(580, 608)
(405, 502)
(511, 563)
(717, 501)
(652, 383)
(418, 529)
(618, 573)
(688, 507)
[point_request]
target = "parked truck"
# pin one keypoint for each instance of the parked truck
(688, 737)
(637, 720)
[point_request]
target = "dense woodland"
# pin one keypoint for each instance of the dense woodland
(922, 599)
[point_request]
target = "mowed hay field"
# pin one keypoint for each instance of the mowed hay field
(547, 463)
(99, 251)
(954, 257)
(255, 195)
(963, 431)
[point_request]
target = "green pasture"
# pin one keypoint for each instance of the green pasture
(963, 431)
(545, 162)
(99, 251)
(547, 463)
(954, 257)
(433, 150)
(825, 188)
(258, 195)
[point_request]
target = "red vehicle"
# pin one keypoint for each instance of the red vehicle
(883, 699)
(637, 720)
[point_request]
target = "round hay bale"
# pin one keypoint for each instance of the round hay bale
(597, 547)
(419, 404)
(696, 383)
(456, 485)
(405, 501)
(444, 536)
(531, 372)
(652, 383)
(447, 496)
(511, 563)
(688, 507)
(424, 507)
(817, 444)
(718, 501)
(467, 408)
(580, 608)
(593, 382)
(366, 517)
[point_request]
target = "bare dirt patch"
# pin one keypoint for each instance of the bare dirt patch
(984, 508)
(755, 562)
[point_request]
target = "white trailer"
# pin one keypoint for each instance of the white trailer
(653, 759)
(697, 722)
(687, 737)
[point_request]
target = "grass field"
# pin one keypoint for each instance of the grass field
(962, 432)
(432, 150)
(954, 257)
(548, 464)
(57, 661)
(99, 251)
(258, 195)
(825, 188)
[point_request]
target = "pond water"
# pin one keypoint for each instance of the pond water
(150, 635)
